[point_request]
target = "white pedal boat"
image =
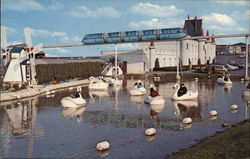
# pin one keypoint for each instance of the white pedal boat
(97, 85)
(222, 81)
(190, 95)
(154, 100)
(138, 91)
(73, 102)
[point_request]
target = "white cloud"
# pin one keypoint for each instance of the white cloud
(232, 2)
(83, 11)
(55, 5)
(63, 37)
(155, 23)
(39, 32)
(68, 39)
(154, 10)
(216, 18)
(21, 5)
(15, 42)
(58, 34)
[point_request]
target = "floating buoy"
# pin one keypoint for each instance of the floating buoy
(158, 78)
(102, 146)
(18, 97)
(234, 107)
(150, 131)
(242, 79)
(70, 88)
(196, 79)
(53, 92)
(213, 113)
(209, 77)
(187, 120)
(224, 124)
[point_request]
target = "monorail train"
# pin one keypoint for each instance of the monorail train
(133, 36)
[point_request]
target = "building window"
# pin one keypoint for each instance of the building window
(187, 46)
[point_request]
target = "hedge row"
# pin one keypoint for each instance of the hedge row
(61, 72)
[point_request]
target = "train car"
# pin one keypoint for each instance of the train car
(172, 33)
(148, 35)
(130, 36)
(114, 37)
(94, 38)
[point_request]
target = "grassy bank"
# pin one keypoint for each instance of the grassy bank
(231, 144)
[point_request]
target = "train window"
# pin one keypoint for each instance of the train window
(149, 32)
(173, 31)
(179, 31)
(116, 34)
(165, 31)
(130, 33)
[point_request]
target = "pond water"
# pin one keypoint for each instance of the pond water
(39, 127)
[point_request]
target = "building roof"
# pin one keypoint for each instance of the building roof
(16, 50)
(238, 44)
(193, 27)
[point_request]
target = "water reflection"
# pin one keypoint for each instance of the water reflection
(156, 109)
(21, 122)
(187, 109)
(99, 94)
(74, 112)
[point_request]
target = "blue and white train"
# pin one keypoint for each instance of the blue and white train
(133, 36)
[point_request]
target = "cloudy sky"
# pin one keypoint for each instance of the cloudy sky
(67, 21)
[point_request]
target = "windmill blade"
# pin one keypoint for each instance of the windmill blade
(4, 42)
(28, 36)
(37, 48)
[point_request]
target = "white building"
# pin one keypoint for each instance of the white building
(189, 51)
(166, 52)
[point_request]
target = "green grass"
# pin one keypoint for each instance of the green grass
(231, 144)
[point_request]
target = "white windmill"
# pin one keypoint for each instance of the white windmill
(19, 71)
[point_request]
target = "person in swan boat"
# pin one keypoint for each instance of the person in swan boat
(153, 92)
(182, 90)
(139, 84)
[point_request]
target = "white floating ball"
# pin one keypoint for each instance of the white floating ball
(187, 120)
(70, 88)
(196, 79)
(102, 146)
(234, 106)
(150, 131)
(18, 97)
(213, 113)
(242, 79)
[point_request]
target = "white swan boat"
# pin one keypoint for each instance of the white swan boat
(138, 91)
(73, 102)
(222, 81)
(154, 100)
(97, 85)
(190, 95)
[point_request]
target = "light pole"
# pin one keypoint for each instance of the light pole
(246, 75)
